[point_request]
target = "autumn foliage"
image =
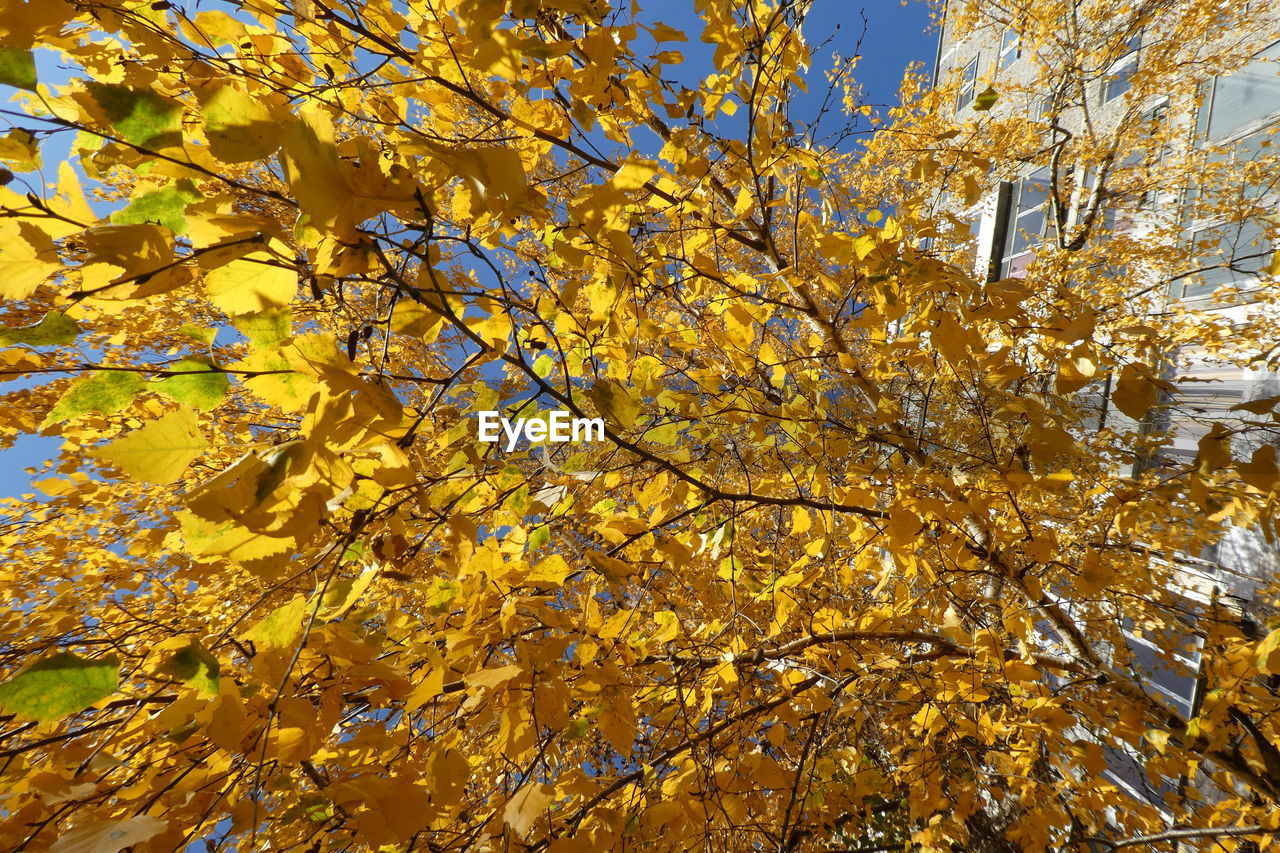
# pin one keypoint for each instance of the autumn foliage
(852, 569)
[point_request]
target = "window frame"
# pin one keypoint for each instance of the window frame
(1116, 81)
(1201, 285)
(1204, 114)
(1016, 214)
(968, 84)
(1234, 142)
(1008, 47)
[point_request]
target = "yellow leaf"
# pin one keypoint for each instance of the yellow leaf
(109, 836)
(617, 722)
(238, 125)
(226, 715)
(800, 521)
(1268, 653)
(343, 594)
(951, 340)
(416, 320)
(273, 379)
(615, 403)
(257, 282)
(661, 32)
(1157, 738)
(611, 567)
(494, 330)
(27, 258)
(1214, 449)
(281, 627)
(448, 771)
(526, 806)
(1058, 481)
(740, 326)
(1135, 393)
(315, 173)
(160, 451)
(552, 570)
(634, 174)
(431, 687)
(1261, 471)
(668, 626)
(494, 677)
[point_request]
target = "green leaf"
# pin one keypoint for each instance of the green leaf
(105, 392)
(539, 537)
(439, 595)
(543, 365)
(166, 206)
(139, 116)
(265, 329)
(354, 552)
(986, 99)
(194, 665)
(198, 333)
(18, 68)
(59, 685)
(197, 384)
(280, 629)
(54, 329)
(577, 728)
(160, 451)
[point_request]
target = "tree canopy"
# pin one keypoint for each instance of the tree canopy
(858, 561)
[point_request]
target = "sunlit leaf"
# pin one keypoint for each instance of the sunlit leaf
(58, 685)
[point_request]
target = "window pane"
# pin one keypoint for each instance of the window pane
(1246, 95)
(1117, 82)
(1033, 191)
(1027, 232)
(1010, 48)
(1016, 267)
(1243, 245)
(1259, 146)
(968, 84)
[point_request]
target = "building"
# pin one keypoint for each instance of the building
(1147, 133)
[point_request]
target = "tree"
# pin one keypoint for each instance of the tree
(851, 569)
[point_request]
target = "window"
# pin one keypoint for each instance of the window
(1147, 155)
(1171, 677)
(1117, 80)
(1225, 253)
(1241, 170)
(1243, 98)
(1025, 223)
(1010, 47)
(968, 84)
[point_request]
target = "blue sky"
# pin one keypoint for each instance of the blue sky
(896, 36)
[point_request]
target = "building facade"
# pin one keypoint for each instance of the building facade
(1132, 134)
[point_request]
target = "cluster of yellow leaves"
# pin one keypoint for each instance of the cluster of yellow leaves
(849, 569)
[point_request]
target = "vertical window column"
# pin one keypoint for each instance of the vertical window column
(968, 85)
